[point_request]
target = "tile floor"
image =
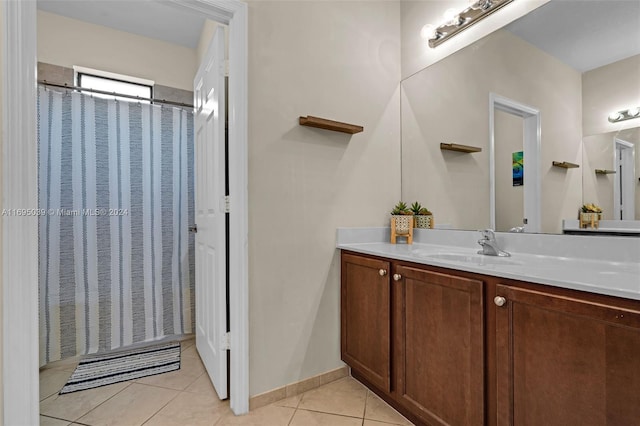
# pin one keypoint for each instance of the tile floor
(186, 398)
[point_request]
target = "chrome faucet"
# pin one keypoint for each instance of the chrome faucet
(490, 245)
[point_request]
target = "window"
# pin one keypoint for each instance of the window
(111, 82)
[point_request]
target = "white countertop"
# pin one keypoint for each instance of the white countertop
(614, 276)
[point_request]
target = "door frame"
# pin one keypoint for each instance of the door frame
(532, 134)
(20, 381)
(626, 149)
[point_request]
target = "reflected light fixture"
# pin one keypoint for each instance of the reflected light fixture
(456, 22)
(627, 114)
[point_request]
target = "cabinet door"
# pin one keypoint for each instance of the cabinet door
(440, 366)
(366, 322)
(563, 361)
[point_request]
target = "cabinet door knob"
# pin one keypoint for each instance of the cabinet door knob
(499, 300)
(382, 272)
(397, 277)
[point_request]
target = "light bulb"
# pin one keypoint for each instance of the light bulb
(428, 32)
(632, 112)
(614, 116)
(449, 15)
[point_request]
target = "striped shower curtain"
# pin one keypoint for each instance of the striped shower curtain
(116, 264)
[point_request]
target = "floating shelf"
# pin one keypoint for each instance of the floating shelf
(323, 123)
(565, 164)
(459, 148)
(605, 172)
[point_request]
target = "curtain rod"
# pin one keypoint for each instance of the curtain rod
(102, 92)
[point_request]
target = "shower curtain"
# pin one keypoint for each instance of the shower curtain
(115, 192)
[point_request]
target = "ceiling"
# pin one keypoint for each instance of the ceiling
(153, 19)
(584, 34)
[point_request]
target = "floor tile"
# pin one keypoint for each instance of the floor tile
(379, 410)
(292, 401)
(190, 351)
(51, 381)
(72, 406)
(203, 386)
(50, 421)
(344, 397)
(190, 369)
(187, 343)
(68, 364)
(375, 423)
(190, 409)
(312, 418)
(131, 407)
(271, 415)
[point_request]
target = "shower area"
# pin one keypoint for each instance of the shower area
(116, 191)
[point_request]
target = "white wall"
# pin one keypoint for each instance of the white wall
(2, 67)
(608, 89)
(448, 102)
(67, 42)
(416, 53)
(337, 60)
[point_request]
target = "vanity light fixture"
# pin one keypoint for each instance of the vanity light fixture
(454, 23)
(627, 114)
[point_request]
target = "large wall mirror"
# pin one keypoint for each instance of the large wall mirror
(574, 62)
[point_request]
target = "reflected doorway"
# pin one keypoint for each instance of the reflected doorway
(623, 190)
(531, 133)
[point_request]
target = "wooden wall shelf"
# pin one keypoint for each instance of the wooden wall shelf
(459, 148)
(565, 164)
(336, 126)
(605, 172)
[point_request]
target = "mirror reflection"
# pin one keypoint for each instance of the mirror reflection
(573, 75)
(614, 187)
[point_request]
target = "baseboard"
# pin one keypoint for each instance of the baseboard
(297, 388)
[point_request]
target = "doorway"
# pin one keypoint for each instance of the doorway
(623, 188)
(531, 135)
(20, 246)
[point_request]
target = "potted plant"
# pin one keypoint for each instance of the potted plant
(401, 219)
(423, 218)
(590, 215)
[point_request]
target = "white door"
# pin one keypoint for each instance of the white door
(211, 293)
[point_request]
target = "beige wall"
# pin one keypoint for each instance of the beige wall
(608, 89)
(448, 102)
(416, 53)
(67, 42)
(337, 60)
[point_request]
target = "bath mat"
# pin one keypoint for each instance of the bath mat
(105, 369)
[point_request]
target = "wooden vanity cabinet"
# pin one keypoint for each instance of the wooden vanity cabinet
(447, 347)
(366, 318)
(562, 360)
(439, 364)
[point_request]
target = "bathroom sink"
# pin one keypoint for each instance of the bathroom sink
(475, 259)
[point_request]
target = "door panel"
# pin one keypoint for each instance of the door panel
(440, 367)
(211, 296)
(563, 361)
(366, 323)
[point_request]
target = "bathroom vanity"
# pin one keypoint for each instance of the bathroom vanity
(450, 337)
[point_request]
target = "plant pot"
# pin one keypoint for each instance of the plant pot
(590, 220)
(424, 221)
(404, 224)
